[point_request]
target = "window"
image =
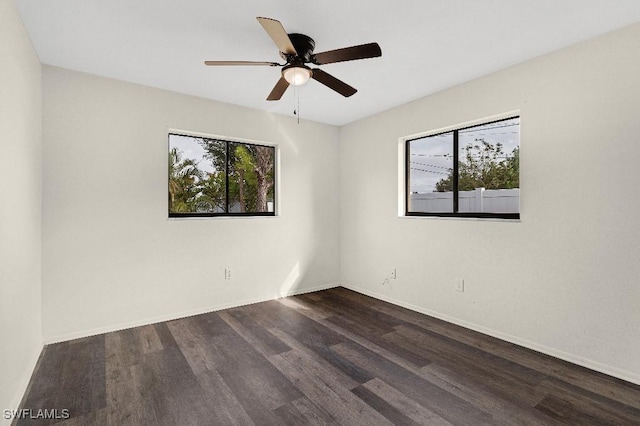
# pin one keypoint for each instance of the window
(214, 177)
(468, 172)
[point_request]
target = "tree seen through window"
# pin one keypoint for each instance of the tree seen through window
(217, 177)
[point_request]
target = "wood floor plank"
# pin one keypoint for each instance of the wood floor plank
(465, 385)
(481, 393)
(164, 335)
(248, 373)
(509, 379)
(383, 407)
(416, 412)
(351, 369)
(83, 387)
(330, 357)
(172, 391)
(141, 405)
(73, 379)
(128, 346)
(194, 344)
(340, 403)
(228, 410)
(445, 404)
(569, 414)
(257, 403)
(317, 340)
(98, 417)
(271, 389)
(598, 383)
(598, 406)
(377, 336)
(448, 345)
(289, 415)
(315, 363)
(44, 384)
(276, 315)
(120, 387)
(312, 412)
(210, 343)
(149, 339)
(300, 304)
(426, 322)
(375, 322)
(259, 337)
(364, 341)
(125, 402)
(477, 378)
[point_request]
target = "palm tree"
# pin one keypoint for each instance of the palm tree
(184, 181)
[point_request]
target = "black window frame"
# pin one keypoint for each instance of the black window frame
(227, 142)
(456, 154)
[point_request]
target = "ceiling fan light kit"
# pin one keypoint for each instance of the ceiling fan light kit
(297, 50)
(297, 75)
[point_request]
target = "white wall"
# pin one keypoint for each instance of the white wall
(112, 259)
(564, 279)
(20, 207)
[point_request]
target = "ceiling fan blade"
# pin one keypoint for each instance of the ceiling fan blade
(278, 90)
(333, 83)
(227, 63)
(363, 51)
(278, 35)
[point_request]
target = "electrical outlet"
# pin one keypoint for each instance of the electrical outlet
(227, 273)
(460, 284)
(394, 274)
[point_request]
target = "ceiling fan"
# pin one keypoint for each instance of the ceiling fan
(297, 51)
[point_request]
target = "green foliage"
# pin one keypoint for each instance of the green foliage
(184, 180)
(244, 178)
(250, 178)
(484, 165)
(212, 194)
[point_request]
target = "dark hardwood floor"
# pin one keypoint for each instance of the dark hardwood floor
(331, 357)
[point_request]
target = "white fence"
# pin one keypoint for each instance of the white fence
(479, 200)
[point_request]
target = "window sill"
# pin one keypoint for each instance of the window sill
(221, 217)
(463, 218)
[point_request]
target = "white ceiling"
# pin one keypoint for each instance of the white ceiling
(427, 45)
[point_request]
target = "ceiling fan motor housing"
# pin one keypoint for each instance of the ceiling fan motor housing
(304, 45)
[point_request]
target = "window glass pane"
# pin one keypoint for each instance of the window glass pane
(251, 178)
(431, 174)
(489, 168)
(196, 175)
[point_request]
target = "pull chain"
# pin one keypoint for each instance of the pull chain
(296, 102)
(298, 108)
(295, 91)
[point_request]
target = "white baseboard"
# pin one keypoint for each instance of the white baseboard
(173, 316)
(572, 358)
